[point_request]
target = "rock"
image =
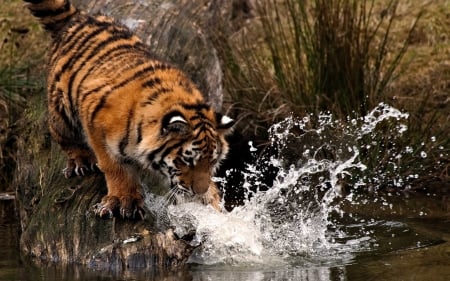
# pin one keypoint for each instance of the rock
(62, 228)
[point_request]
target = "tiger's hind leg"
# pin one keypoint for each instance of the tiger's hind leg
(65, 131)
(81, 162)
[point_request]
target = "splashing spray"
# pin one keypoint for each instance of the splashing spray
(296, 215)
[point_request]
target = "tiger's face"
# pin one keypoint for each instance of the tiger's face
(192, 145)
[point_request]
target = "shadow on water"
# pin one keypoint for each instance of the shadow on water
(408, 241)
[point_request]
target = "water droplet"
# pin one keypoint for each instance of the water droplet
(252, 148)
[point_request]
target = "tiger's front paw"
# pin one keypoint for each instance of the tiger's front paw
(128, 207)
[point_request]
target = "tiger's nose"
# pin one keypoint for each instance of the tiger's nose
(200, 184)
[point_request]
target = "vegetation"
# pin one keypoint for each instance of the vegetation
(21, 83)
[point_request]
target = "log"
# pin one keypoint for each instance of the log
(57, 221)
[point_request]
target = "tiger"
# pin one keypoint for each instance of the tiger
(115, 107)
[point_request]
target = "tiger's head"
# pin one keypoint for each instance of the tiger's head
(192, 144)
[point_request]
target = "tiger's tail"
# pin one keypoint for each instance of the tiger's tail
(53, 14)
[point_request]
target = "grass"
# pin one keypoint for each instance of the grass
(21, 65)
(313, 56)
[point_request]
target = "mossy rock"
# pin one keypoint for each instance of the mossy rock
(61, 227)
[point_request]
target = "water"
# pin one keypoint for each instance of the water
(315, 221)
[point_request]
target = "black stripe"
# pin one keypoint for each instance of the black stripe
(124, 50)
(198, 134)
(187, 160)
(196, 107)
(92, 53)
(72, 45)
(139, 132)
(154, 96)
(124, 142)
(97, 108)
(151, 82)
(86, 44)
(75, 35)
(93, 66)
(169, 149)
(69, 64)
(198, 142)
(66, 121)
(67, 39)
(71, 42)
(195, 117)
(59, 94)
(51, 26)
(115, 37)
(150, 68)
(51, 13)
(151, 155)
(203, 123)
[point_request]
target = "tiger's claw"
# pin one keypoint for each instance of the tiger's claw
(80, 165)
(102, 211)
(129, 208)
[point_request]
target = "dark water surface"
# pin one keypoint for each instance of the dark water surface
(412, 243)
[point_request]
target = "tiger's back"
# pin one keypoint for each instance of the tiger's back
(112, 104)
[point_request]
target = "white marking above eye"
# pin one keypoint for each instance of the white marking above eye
(226, 120)
(177, 118)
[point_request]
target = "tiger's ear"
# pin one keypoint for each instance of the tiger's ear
(174, 122)
(224, 123)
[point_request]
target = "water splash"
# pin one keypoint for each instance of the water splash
(300, 214)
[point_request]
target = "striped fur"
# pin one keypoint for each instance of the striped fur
(112, 105)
